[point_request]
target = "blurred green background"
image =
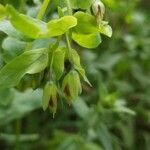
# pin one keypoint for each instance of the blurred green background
(112, 115)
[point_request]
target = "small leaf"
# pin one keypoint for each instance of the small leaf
(28, 26)
(58, 62)
(7, 28)
(105, 29)
(86, 33)
(30, 62)
(60, 26)
(35, 28)
(86, 23)
(87, 40)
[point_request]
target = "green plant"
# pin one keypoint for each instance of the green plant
(55, 65)
(112, 115)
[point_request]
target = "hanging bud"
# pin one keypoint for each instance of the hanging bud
(98, 9)
(71, 86)
(50, 97)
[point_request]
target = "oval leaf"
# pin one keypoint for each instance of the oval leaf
(7, 28)
(86, 23)
(60, 26)
(12, 48)
(27, 25)
(87, 40)
(31, 62)
(105, 29)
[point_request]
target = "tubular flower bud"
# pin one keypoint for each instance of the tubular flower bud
(50, 97)
(71, 86)
(98, 10)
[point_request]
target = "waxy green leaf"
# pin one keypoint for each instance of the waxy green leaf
(105, 29)
(87, 32)
(34, 28)
(30, 62)
(86, 23)
(7, 28)
(60, 26)
(11, 48)
(87, 40)
(27, 25)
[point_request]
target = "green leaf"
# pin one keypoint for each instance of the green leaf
(27, 25)
(87, 40)
(105, 29)
(12, 48)
(2, 12)
(35, 28)
(60, 26)
(58, 62)
(86, 33)
(77, 65)
(105, 137)
(83, 4)
(86, 23)
(22, 104)
(30, 62)
(7, 28)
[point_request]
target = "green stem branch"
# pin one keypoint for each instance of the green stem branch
(43, 9)
(51, 55)
(68, 33)
(18, 131)
(68, 7)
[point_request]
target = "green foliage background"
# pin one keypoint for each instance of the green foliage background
(112, 115)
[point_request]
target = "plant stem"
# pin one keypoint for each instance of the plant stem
(68, 33)
(18, 131)
(68, 7)
(43, 9)
(68, 42)
(51, 52)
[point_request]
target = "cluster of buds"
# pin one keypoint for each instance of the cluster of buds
(71, 87)
(98, 10)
